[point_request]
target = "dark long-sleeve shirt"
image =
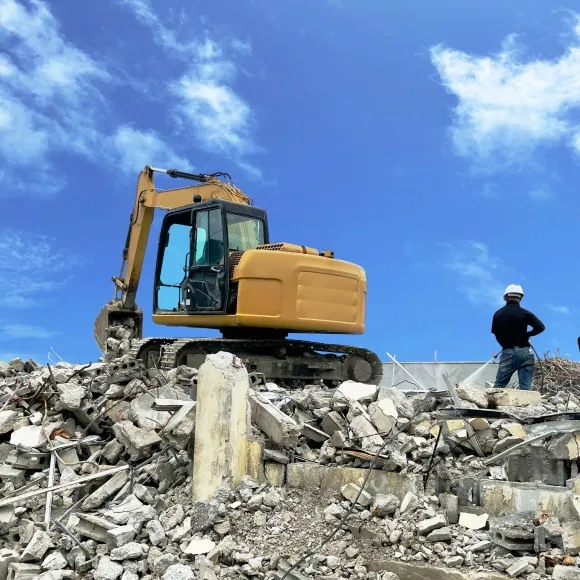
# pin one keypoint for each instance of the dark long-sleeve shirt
(510, 325)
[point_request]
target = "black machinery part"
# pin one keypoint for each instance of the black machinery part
(292, 362)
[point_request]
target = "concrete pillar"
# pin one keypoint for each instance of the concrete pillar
(220, 425)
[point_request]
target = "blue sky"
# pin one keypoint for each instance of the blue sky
(434, 143)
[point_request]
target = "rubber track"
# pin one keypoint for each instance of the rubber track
(172, 346)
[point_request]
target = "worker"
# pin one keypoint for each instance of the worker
(510, 326)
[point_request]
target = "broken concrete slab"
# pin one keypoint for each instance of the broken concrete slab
(7, 421)
(425, 526)
(105, 491)
(29, 437)
(353, 391)
(473, 394)
(278, 426)
(314, 477)
(333, 422)
(352, 491)
(565, 573)
(275, 455)
(473, 521)
(275, 473)
(37, 547)
(197, 547)
(138, 442)
(383, 415)
(513, 398)
(403, 405)
(429, 572)
(364, 430)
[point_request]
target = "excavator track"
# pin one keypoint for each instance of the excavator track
(292, 362)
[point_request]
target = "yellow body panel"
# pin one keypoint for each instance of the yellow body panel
(290, 291)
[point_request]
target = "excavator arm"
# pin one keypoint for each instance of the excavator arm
(123, 307)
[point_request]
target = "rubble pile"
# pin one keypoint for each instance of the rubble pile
(349, 425)
(557, 374)
(95, 479)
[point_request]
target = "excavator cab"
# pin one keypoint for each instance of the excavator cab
(194, 260)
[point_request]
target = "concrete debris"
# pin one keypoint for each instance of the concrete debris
(141, 523)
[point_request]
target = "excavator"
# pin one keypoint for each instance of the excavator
(217, 269)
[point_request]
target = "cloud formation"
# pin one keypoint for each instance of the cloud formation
(31, 268)
(480, 276)
(509, 105)
(206, 104)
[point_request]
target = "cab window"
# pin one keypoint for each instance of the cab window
(244, 232)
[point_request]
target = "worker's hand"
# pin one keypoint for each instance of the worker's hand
(495, 355)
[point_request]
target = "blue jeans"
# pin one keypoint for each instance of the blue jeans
(512, 360)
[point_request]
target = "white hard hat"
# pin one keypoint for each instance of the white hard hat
(513, 289)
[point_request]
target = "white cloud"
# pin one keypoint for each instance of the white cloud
(31, 267)
(479, 273)
(220, 118)
(135, 149)
(52, 100)
(208, 107)
(542, 192)
(558, 309)
(19, 331)
(509, 106)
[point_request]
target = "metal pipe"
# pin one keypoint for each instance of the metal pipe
(48, 510)
(407, 372)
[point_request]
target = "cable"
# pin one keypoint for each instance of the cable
(541, 367)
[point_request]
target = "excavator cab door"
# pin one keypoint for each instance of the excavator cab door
(205, 286)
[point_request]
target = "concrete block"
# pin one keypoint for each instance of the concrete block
(138, 442)
(500, 498)
(363, 429)
(513, 398)
(514, 429)
(10, 475)
(120, 536)
(7, 421)
(473, 394)
(565, 573)
(420, 572)
(403, 405)
(383, 415)
(29, 437)
(108, 570)
(333, 422)
(353, 391)
(197, 546)
(275, 473)
(18, 571)
(278, 426)
(276, 456)
(221, 425)
(94, 527)
(506, 443)
(37, 547)
(112, 451)
(425, 526)
(566, 446)
(313, 477)
(473, 521)
(450, 503)
(105, 491)
(8, 519)
(351, 491)
(7, 557)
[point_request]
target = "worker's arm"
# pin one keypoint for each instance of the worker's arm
(536, 324)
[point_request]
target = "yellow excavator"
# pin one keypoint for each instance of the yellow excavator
(216, 268)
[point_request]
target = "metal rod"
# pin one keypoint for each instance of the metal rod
(48, 510)
(75, 483)
(407, 372)
(72, 507)
(73, 538)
